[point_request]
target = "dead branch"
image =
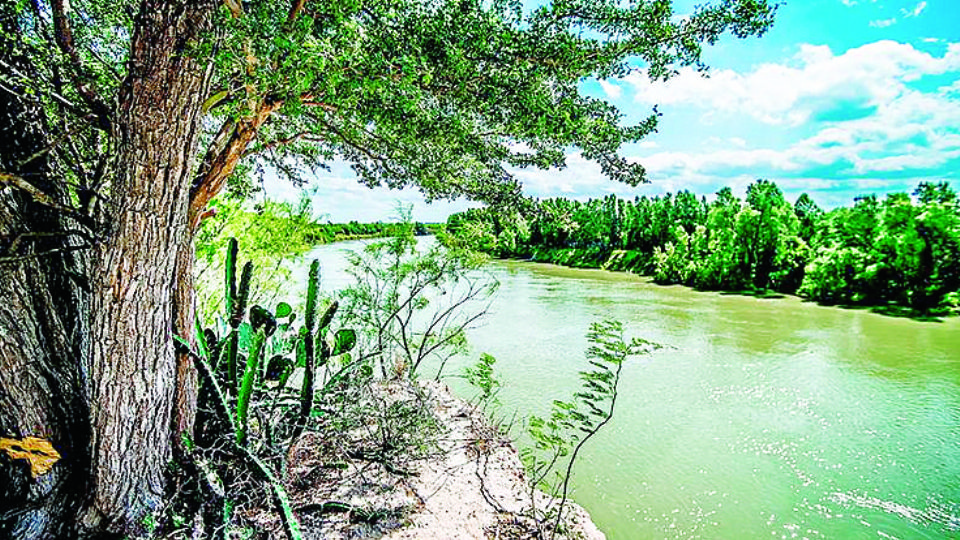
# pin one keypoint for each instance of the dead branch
(35, 193)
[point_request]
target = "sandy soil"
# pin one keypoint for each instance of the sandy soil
(472, 487)
(479, 489)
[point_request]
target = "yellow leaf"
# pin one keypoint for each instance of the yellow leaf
(38, 452)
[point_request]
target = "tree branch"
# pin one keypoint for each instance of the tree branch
(40, 197)
(282, 142)
(223, 155)
(295, 8)
(64, 38)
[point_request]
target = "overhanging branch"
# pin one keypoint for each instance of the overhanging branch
(40, 197)
(221, 159)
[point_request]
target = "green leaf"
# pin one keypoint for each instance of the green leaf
(283, 310)
(344, 340)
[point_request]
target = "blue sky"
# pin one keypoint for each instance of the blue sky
(839, 98)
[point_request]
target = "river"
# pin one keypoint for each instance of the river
(762, 418)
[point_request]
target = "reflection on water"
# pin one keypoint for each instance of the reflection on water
(765, 417)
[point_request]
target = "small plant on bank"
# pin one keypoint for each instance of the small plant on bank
(482, 377)
(249, 410)
(414, 305)
(558, 440)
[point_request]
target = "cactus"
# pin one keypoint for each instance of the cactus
(243, 294)
(291, 525)
(344, 341)
(230, 354)
(276, 367)
(230, 275)
(308, 350)
(328, 315)
(234, 367)
(246, 388)
(313, 295)
(235, 302)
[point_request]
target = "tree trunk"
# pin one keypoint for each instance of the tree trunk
(41, 393)
(87, 357)
(135, 290)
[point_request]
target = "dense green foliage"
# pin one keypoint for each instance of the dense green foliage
(899, 250)
(439, 95)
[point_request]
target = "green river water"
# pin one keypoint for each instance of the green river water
(764, 418)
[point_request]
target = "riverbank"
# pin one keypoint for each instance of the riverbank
(620, 260)
(472, 484)
(478, 489)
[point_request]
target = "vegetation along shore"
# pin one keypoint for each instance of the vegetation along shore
(898, 254)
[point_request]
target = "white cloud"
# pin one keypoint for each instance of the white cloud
(883, 23)
(912, 136)
(612, 91)
(916, 11)
(912, 133)
(793, 92)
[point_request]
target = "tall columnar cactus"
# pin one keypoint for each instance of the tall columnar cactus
(309, 335)
(230, 275)
(235, 300)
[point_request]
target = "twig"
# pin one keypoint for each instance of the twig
(42, 198)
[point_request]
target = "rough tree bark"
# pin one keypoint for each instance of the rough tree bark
(133, 370)
(87, 357)
(41, 393)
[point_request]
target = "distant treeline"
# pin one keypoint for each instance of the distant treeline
(898, 250)
(324, 233)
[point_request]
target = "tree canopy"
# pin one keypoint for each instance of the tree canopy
(873, 252)
(441, 95)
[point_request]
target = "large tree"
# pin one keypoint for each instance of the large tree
(123, 119)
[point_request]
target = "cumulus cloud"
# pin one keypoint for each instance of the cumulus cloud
(907, 136)
(815, 78)
(870, 122)
(916, 134)
(612, 91)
